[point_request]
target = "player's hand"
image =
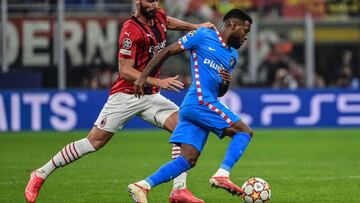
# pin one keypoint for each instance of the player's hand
(225, 75)
(171, 83)
(139, 87)
(207, 25)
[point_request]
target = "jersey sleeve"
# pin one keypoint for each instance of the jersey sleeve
(191, 40)
(128, 41)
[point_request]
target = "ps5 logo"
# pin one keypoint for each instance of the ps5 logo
(347, 106)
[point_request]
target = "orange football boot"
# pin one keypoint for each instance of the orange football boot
(226, 184)
(33, 187)
(183, 196)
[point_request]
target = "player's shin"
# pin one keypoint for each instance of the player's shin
(235, 150)
(66, 155)
(168, 171)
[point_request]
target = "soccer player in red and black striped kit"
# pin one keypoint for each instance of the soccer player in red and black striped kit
(143, 35)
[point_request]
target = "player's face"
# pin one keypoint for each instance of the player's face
(239, 32)
(148, 8)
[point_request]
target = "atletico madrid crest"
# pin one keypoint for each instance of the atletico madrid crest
(232, 61)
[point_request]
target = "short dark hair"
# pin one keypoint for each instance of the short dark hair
(237, 13)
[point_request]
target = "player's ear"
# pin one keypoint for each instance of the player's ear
(233, 26)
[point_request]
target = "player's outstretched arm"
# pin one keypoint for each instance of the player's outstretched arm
(176, 24)
(153, 66)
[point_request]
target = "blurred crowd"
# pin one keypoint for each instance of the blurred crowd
(280, 60)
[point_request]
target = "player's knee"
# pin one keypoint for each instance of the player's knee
(192, 161)
(190, 153)
(242, 127)
(98, 138)
(95, 143)
(250, 132)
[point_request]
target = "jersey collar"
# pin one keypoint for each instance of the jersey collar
(221, 40)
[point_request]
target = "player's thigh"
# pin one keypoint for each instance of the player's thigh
(213, 116)
(118, 109)
(189, 133)
(160, 111)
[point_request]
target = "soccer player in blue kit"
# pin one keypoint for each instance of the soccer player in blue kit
(211, 53)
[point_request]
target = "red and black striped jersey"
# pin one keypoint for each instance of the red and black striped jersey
(140, 42)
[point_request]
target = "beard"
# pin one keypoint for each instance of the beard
(147, 14)
(234, 42)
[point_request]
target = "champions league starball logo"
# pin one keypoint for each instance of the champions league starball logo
(126, 43)
(191, 33)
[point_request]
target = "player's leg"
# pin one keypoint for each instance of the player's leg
(179, 193)
(165, 173)
(193, 139)
(96, 139)
(240, 135)
(111, 117)
(68, 154)
(219, 119)
(179, 185)
(164, 113)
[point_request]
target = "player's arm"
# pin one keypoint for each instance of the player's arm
(154, 65)
(129, 73)
(176, 24)
(225, 83)
(129, 40)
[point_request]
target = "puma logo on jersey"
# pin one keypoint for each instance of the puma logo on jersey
(127, 33)
(164, 27)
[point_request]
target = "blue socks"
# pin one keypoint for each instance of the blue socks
(179, 165)
(235, 150)
(169, 171)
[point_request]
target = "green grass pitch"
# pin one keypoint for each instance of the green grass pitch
(301, 166)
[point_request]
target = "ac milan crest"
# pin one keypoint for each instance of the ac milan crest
(103, 122)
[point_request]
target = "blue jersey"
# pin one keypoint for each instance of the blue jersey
(208, 54)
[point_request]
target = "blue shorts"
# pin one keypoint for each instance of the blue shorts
(196, 121)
